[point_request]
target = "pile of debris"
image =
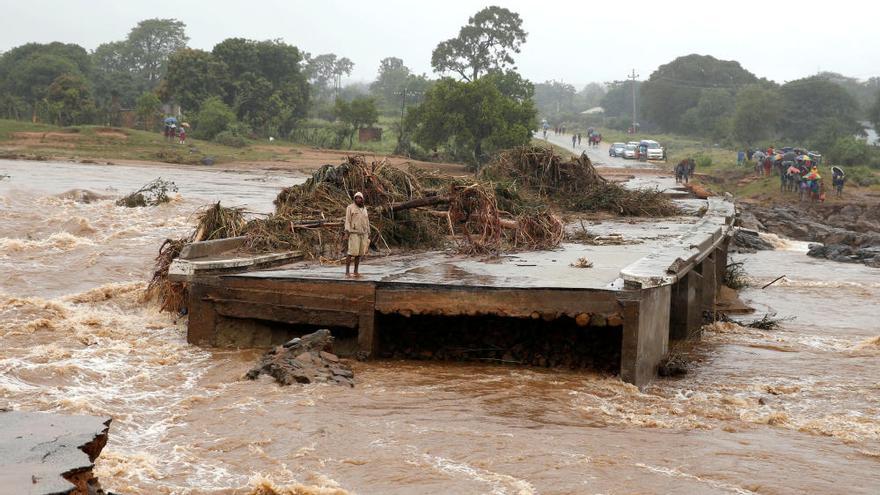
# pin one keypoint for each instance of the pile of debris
(574, 185)
(153, 193)
(306, 359)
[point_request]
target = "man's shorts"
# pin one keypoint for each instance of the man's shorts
(358, 244)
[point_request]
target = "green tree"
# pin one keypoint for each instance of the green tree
(113, 76)
(393, 77)
(360, 112)
(874, 112)
(148, 109)
(591, 95)
(712, 115)
(213, 118)
(325, 70)
(487, 43)
(264, 83)
(847, 150)
(151, 43)
(69, 100)
(676, 87)
(27, 71)
(472, 119)
(193, 76)
(618, 101)
(757, 112)
(813, 105)
(553, 98)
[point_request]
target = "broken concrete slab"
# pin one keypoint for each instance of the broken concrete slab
(50, 454)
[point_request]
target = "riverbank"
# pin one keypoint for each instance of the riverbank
(115, 145)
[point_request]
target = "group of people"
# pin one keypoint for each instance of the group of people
(593, 139)
(797, 169)
(174, 132)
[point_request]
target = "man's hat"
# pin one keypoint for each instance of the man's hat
(359, 194)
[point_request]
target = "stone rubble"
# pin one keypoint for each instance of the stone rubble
(306, 359)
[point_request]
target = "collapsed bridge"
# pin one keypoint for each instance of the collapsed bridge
(539, 307)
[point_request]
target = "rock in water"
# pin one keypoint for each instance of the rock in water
(746, 240)
(305, 359)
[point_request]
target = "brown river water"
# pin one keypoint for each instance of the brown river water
(793, 410)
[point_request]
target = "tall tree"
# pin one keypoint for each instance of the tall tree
(712, 115)
(148, 109)
(152, 42)
(813, 105)
(487, 43)
(27, 72)
(393, 76)
(618, 101)
(69, 100)
(554, 97)
(756, 115)
(360, 112)
(591, 95)
(113, 75)
(473, 119)
(677, 86)
(325, 71)
(264, 84)
(193, 76)
(874, 112)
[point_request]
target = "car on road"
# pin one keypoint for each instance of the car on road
(629, 151)
(616, 149)
(653, 150)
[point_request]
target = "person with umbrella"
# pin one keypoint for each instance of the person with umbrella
(170, 124)
(838, 178)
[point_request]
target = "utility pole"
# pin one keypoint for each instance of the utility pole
(403, 93)
(634, 77)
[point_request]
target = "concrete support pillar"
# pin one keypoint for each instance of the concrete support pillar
(720, 266)
(202, 317)
(710, 283)
(645, 335)
(686, 308)
(368, 341)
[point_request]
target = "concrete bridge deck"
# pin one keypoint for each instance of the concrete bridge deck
(654, 287)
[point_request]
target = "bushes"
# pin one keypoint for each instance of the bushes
(213, 118)
(849, 151)
(319, 133)
(229, 138)
(862, 176)
(703, 160)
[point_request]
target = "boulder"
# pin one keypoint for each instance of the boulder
(746, 240)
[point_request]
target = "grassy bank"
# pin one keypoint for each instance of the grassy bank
(24, 139)
(20, 139)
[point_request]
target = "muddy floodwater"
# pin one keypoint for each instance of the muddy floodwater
(787, 411)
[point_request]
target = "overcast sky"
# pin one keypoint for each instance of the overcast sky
(567, 40)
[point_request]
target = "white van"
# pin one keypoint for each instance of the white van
(653, 149)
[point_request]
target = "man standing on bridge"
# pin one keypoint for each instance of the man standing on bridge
(357, 232)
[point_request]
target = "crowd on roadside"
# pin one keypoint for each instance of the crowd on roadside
(797, 169)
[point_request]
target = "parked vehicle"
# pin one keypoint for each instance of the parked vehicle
(630, 151)
(616, 149)
(651, 150)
